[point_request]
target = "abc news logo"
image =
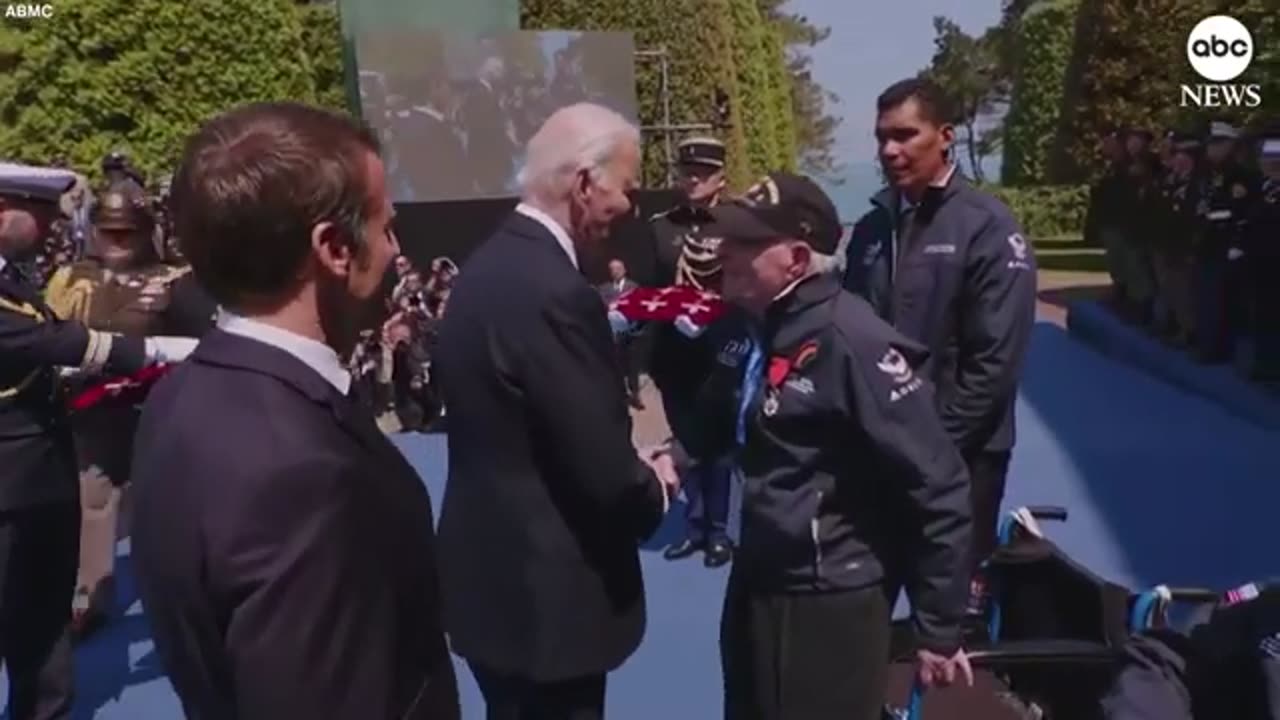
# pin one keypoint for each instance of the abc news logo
(1220, 49)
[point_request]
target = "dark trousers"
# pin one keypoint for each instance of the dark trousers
(39, 551)
(515, 698)
(707, 490)
(987, 473)
(628, 357)
(1213, 327)
(809, 656)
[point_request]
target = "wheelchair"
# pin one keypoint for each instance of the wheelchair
(1051, 629)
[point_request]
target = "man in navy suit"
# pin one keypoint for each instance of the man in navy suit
(283, 546)
(547, 500)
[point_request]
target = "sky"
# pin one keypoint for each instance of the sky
(872, 44)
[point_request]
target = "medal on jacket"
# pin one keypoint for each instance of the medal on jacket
(780, 368)
(770, 402)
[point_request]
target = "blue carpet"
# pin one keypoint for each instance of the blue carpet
(1094, 324)
(1162, 487)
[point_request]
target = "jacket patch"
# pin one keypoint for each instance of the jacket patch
(731, 353)
(1018, 245)
(899, 371)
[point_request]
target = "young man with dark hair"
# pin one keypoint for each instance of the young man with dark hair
(947, 265)
(283, 546)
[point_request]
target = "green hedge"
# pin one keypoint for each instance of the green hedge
(1043, 51)
(141, 76)
(322, 42)
(707, 40)
(1047, 211)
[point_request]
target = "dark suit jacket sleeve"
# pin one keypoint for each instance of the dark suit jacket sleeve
(313, 632)
(31, 334)
(576, 395)
(191, 310)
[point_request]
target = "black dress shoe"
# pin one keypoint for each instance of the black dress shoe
(719, 552)
(681, 550)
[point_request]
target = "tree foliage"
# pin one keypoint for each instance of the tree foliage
(1038, 62)
(813, 121)
(140, 76)
(1127, 67)
(969, 73)
(760, 107)
(701, 58)
(322, 42)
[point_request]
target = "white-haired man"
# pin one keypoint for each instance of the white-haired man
(547, 500)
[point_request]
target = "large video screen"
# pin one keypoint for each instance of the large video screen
(454, 111)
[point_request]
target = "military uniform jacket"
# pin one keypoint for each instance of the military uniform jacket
(151, 300)
(1176, 226)
(1227, 196)
(36, 458)
(685, 256)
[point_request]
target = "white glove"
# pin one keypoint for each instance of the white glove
(619, 323)
(688, 328)
(1235, 254)
(169, 349)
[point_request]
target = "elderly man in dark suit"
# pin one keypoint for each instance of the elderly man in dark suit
(283, 545)
(547, 500)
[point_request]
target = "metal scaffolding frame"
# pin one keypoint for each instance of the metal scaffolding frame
(666, 128)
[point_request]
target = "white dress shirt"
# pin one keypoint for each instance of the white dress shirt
(313, 353)
(552, 227)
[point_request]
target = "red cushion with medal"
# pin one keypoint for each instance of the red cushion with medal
(665, 304)
(118, 391)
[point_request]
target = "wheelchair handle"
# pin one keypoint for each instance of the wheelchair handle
(1048, 512)
(1154, 603)
(1199, 596)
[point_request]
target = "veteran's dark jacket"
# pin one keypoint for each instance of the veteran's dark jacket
(844, 461)
(956, 275)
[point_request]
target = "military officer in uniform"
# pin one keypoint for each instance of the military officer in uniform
(1262, 255)
(1176, 233)
(39, 517)
(687, 255)
(122, 286)
(1226, 192)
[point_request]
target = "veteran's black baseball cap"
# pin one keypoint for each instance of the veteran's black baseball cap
(781, 205)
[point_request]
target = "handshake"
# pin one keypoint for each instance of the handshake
(666, 460)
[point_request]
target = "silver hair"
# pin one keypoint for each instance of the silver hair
(820, 264)
(579, 137)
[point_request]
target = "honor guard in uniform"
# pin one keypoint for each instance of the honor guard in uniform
(120, 286)
(687, 255)
(39, 517)
(1226, 192)
(1175, 236)
(1262, 256)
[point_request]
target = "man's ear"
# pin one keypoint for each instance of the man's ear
(332, 246)
(582, 184)
(801, 257)
(948, 137)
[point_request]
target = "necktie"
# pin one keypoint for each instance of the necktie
(750, 385)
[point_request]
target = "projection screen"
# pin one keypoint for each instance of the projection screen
(454, 111)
